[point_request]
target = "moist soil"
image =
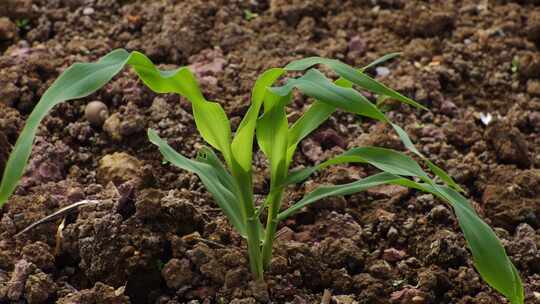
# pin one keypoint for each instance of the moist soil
(156, 236)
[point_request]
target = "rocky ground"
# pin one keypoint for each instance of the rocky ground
(157, 237)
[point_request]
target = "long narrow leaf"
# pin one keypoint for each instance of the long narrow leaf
(406, 140)
(317, 113)
(387, 160)
(214, 178)
(82, 79)
(272, 133)
(353, 75)
(313, 83)
(345, 189)
(210, 118)
(242, 143)
(339, 95)
(380, 60)
(207, 156)
(489, 256)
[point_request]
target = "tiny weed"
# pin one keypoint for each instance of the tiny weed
(249, 15)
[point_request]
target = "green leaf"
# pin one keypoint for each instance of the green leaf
(380, 60)
(313, 83)
(207, 156)
(82, 79)
(387, 160)
(317, 114)
(214, 177)
(353, 75)
(345, 189)
(406, 140)
(242, 144)
(272, 129)
(350, 75)
(210, 118)
(489, 256)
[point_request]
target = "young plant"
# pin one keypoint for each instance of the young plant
(231, 183)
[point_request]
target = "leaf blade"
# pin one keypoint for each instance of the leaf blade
(212, 176)
(380, 60)
(88, 77)
(314, 84)
(353, 75)
(345, 189)
(489, 255)
(243, 139)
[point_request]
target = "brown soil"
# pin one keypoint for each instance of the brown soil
(156, 235)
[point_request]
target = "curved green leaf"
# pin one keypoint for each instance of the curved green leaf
(341, 95)
(345, 189)
(210, 118)
(406, 140)
(214, 177)
(353, 75)
(386, 160)
(380, 60)
(272, 129)
(313, 83)
(82, 79)
(317, 114)
(243, 138)
(489, 256)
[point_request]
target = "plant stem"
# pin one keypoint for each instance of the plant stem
(254, 248)
(253, 224)
(271, 225)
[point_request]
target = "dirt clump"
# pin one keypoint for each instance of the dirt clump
(511, 197)
(8, 32)
(99, 293)
(508, 144)
(119, 168)
(533, 26)
(4, 151)
(16, 8)
(177, 273)
(529, 65)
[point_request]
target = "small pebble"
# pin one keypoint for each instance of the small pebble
(486, 118)
(382, 71)
(87, 11)
(392, 233)
(439, 213)
(393, 255)
(96, 112)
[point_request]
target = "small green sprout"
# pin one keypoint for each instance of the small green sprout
(249, 15)
(515, 65)
(230, 182)
(160, 264)
(23, 24)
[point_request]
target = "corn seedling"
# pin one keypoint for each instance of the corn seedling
(230, 181)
